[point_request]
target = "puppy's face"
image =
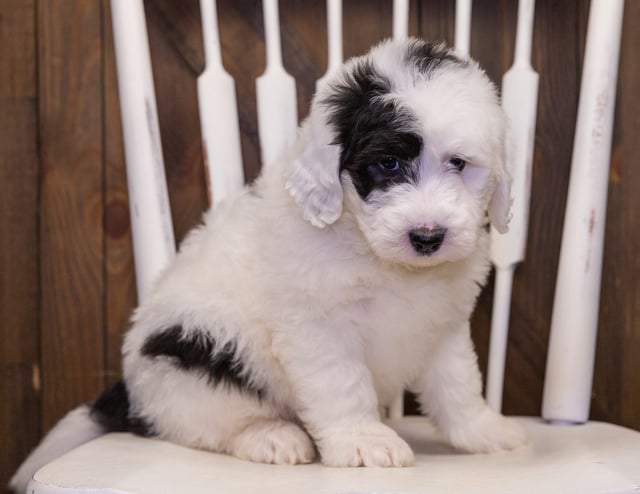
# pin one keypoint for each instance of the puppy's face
(418, 136)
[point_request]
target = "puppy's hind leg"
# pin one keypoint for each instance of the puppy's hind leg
(199, 395)
(220, 418)
(272, 441)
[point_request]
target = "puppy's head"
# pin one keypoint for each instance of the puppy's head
(410, 139)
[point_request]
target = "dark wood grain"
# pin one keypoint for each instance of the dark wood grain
(71, 208)
(365, 23)
(616, 390)
(435, 21)
(177, 103)
(304, 38)
(243, 55)
(180, 25)
(19, 249)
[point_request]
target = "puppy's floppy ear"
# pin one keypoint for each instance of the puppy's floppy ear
(313, 177)
(500, 202)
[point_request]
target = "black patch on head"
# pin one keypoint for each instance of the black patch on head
(197, 351)
(111, 411)
(429, 56)
(371, 129)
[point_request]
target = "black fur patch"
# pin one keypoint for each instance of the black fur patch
(429, 56)
(370, 129)
(197, 351)
(111, 411)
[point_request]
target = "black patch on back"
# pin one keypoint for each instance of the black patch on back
(197, 351)
(111, 411)
(370, 129)
(430, 56)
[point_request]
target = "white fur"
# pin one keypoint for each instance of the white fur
(336, 317)
(331, 309)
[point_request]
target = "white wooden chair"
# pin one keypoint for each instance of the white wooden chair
(567, 453)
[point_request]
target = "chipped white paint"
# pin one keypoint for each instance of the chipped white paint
(567, 392)
(152, 230)
(218, 114)
(334, 35)
(463, 27)
(276, 94)
(519, 100)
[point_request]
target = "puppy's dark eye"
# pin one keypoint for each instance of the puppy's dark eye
(457, 163)
(389, 164)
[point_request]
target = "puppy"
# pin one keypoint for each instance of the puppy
(345, 274)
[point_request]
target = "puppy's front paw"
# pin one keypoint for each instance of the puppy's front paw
(489, 432)
(370, 445)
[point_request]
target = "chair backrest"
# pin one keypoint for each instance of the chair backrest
(571, 354)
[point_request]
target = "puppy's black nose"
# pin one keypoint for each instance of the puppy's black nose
(427, 240)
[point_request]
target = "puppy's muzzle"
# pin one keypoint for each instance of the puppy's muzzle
(426, 241)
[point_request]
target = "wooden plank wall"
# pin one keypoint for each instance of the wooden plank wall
(66, 273)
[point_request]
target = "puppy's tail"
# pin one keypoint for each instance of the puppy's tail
(109, 413)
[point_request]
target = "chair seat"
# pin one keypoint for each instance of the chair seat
(591, 458)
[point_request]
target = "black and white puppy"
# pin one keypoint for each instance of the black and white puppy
(345, 274)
